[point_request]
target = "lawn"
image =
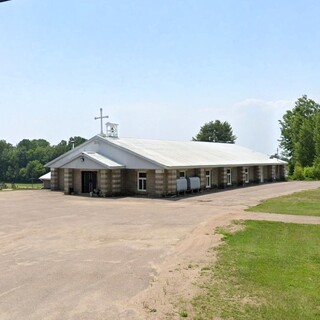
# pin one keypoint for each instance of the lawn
(20, 186)
(299, 203)
(269, 270)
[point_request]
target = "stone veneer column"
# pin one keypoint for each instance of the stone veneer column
(258, 171)
(159, 183)
(67, 180)
(282, 172)
(222, 177)
(105, 182)
(116, 181)
(172, 181)
(202, 176)
(272, 173)
(242, 176)
(54, 179)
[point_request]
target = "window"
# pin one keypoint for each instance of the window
(182, 174)
(142, 181)
(229, 178)
(208, 179)
(246, 175)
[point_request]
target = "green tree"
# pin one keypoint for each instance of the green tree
(296, 137)
(317, 140)
(26, 160)
(5, 149)
(76, 141)
(216, 132)
(34, 170)
(304, 152)
(65, 146)
(12, 174)
(60, 149)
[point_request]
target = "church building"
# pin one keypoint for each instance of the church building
(108, 165)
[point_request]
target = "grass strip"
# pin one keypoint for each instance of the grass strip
(299, 203)
(269, 270)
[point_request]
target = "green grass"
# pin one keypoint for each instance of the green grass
(21, 186)
(299, 203)
(29, 185)
(269, 270)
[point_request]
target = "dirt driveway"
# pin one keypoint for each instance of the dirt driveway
(65, 257)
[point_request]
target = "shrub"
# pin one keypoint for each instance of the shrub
(316, 171)
(298, 173)
(308, 173)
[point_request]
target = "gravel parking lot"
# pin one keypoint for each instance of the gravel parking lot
(69, 257)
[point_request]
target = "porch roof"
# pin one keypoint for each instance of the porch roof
(89, 160)
(103, 160)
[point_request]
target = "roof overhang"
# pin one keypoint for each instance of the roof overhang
(229, 165)
(89, 160)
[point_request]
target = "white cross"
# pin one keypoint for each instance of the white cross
(101, 119)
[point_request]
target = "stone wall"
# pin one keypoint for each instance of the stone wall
(171, 177)
(131, 181)
(151, 184)
(105, 182)
(234, 176)
(61, 179)
(116, 182)
(159, 183)
(77, 183)
(54, 179)
(68, 181)
(241, 176)
(257, 174)
(222, 178)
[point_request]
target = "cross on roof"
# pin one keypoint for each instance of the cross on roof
(101, 120)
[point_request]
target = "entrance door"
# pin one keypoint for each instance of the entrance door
(89, 181)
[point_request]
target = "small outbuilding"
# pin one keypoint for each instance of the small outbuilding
(108, 165)
(46, 180)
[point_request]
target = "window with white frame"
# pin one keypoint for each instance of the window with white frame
(246, 175)
(142, 181)
(229, 178)
(182, 174)
(208, 179)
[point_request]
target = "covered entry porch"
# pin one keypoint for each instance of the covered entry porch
(88, 173)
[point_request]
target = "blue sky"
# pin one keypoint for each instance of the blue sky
(160, 69)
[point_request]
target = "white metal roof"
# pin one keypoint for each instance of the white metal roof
(132, 153)
(46, 176)
(102, 160)
(192, 153)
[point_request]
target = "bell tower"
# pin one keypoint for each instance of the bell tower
(112, 130)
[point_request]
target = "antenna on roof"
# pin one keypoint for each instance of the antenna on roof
(101, 119)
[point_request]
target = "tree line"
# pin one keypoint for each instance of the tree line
(25, 161)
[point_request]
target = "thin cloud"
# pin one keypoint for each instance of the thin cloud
(267, 104)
